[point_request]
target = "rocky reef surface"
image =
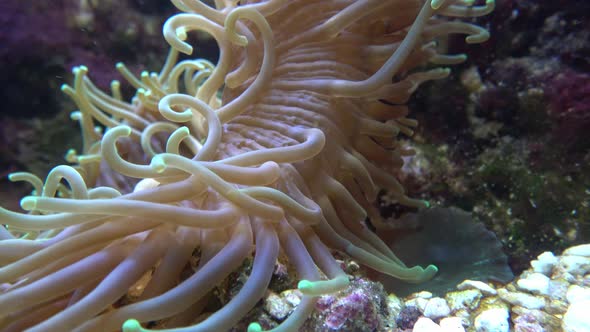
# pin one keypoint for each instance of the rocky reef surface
(552, 295)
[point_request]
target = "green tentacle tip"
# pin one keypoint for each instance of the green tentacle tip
(243, 41)
(158, 164)
(478, 38)
(418, 274)
(131, 325)
(28, 203)
(239, 40)
(426, 273)
(426, 204)
(254, 327)
(432, 268)
(430, 271)
(435, 4)
(181, 33)
(127, 130)
(80, 70)
(305, 285)
(184, 130)
(76, 115)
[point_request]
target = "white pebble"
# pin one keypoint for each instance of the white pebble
(474, 284)
(452, 324)
(492, 320)
(419, 303)
(576, 293)
(464, 300)
(292, 296)
(576, 319)
(581, 250)
(536, 283)
(436, 308)
(426, 325)
(276, 306)
(522, 299)
(576, 265)
(544, 263)
(423, 295)
(558, 289)
(394, 305)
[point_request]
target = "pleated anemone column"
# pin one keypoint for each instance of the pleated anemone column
(280, 146)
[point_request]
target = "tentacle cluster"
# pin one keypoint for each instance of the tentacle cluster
(282, 145)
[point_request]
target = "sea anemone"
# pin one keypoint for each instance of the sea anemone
(282, 146)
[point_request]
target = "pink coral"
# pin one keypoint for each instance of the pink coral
(356, 309)
(569, 98)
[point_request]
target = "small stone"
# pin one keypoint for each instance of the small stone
(352, 267)
(394, 305)
(480, 285)
(422, 295)
(407, 318)
(465, 315)
(556, 307)
(536, 283)
(471, 80)
(491, 302)
(581, 250)
(532, 318)
(277, 307)
(466, 299)
(576, 293)
(292, 296)
(558, 289)
(544, 263)
(564, 276)
(492, 320)
(511, 287)
(357, 308)
(575, 265)
(522, 299)
(137, 289)
(419, 303)
(426, 325)
(522, 324)
(436, 308)
(576, 319)
(452, 324)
